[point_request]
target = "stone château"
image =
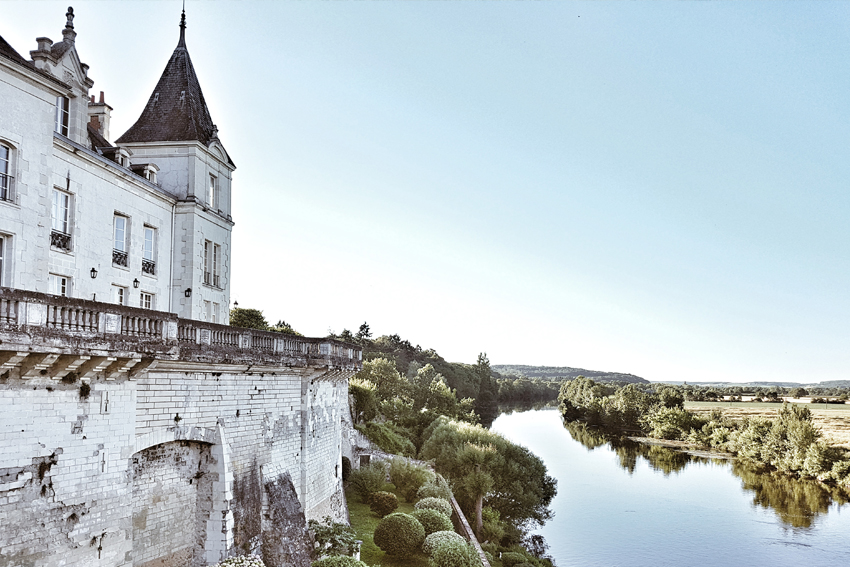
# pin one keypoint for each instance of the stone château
(137, 428)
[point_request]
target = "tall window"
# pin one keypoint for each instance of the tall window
(207, 311)
(148, 262)
(214, 313)
(208, 248)
(146, 301)
(59, 235)
(212, 192)
(2, 256)
(119, 295)
(216, 265)
(61, 204)
(5, 173)
(62, 115)
(119, 241)
(58, 285)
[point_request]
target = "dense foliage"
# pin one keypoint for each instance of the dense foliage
(388, 436)
(254, 319)
(332, 538)
(789, 443)
(367, 480)
(521, 490)
(399, 534)
(408, 477)
(408, 401)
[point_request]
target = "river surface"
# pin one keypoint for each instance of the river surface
(624, 504)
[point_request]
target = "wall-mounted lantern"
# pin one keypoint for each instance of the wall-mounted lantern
(236, 305)
(93, 273)
(136, 283)
(188, 292)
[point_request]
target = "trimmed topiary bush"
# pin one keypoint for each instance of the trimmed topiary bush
(338, 561)
(437, 504)
(455, 554)
(438, 538)
(383, 503)
(432, 520)
(366, 480)
(398, 534)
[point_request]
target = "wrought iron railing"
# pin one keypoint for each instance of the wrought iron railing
(208, 278)
(148, 267)
(7, 187)
(119, 257)
(59, 239)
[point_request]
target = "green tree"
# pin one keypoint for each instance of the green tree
(248, 319)
(383, 374)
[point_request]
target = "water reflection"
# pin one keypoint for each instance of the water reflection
(797, 502)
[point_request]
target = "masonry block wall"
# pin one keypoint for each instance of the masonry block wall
(141, 471)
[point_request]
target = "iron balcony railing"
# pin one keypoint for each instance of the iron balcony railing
(148, 267)
(59, 239)
(119, 257)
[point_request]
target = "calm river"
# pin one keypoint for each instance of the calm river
(647, 506)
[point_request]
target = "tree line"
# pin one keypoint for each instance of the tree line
(789, 443)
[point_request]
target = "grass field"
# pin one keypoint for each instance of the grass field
(364, 521)
(832, 419)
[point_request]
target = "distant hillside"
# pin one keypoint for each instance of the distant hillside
(563, 373)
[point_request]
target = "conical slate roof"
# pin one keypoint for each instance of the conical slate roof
(176, 110)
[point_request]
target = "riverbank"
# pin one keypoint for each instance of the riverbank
(833, 420)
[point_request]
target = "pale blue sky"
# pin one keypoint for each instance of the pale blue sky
(656, 188)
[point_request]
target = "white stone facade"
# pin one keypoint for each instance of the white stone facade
(63, 194)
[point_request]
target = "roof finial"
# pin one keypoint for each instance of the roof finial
(182, 42)
(70, 15)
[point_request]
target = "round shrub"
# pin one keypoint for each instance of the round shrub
(437, 504)
(432, 520)
(434, 490)
(454, 554)
(398, 534)
(436, 539)
(338, 561)
(382, 503)
(512, 558)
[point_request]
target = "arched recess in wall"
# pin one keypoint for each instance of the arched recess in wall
(181, 508)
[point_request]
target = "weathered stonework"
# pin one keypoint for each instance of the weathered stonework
(154, 446)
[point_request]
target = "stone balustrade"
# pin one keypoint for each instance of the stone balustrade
(57, 324)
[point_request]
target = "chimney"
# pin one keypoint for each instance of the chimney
(99, 113)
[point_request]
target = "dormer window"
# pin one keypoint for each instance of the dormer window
(63, 107)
